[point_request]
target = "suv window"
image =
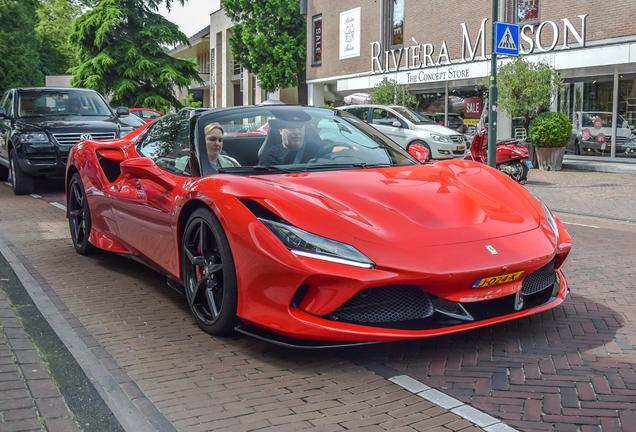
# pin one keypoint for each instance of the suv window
(361, 112)
(6, 102)
(168, 143)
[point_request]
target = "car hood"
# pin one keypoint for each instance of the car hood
(434, 128)
(443, 203)
(69, 123)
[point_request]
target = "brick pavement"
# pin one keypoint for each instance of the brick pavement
(569, 369)
(29, 400)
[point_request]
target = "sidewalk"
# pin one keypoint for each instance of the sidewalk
(619, 165)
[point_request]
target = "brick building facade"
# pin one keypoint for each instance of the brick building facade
(441, 49)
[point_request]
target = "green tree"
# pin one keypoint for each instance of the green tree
(389, 92)
(120, 49)
(268, 39)
(54, 28)
(19, 50)
(190, 102)
(525, 89)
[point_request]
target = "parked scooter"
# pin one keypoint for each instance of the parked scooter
(512, 158)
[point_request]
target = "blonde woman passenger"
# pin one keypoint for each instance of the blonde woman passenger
(214, 144)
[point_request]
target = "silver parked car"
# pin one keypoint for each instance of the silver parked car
(585, 135)
(406, 126)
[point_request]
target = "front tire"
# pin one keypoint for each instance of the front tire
(22, 183)
(577, 148)
(423, 144)
(208, 273)
(79, 216)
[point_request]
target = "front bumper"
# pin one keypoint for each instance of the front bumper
(593, 148)
(296, 297)
(50, 162)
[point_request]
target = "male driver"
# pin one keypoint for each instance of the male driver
(293, 150)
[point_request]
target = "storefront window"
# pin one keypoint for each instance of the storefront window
(317, 40)
(397, 22)
(596, 94)
(527, 11)
(464, 107)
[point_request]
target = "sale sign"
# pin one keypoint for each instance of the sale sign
(472, 107)
(600, 138)
(598, 123)
(586, 134)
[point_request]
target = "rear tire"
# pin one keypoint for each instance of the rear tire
(79, 216)
(22, 183)
(522, 172)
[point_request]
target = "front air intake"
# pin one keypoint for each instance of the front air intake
(385, 304)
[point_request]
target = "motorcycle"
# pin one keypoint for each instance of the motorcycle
(511, 157)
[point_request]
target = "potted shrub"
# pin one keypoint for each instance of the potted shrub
(549, 133)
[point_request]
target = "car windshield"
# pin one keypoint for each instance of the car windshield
(412, 115)
(590, 117)
(277, 138)
(54, 103)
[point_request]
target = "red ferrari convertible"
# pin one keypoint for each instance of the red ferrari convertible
(321, 232)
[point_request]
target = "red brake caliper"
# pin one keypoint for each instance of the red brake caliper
(199, 269)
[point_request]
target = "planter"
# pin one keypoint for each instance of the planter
(549, 158)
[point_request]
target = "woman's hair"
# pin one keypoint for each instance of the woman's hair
(215, 125)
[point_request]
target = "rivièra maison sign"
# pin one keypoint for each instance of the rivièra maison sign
(420, 56)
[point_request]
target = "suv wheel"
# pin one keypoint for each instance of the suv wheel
(22, 183)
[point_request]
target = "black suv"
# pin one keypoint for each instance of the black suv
(38, 127)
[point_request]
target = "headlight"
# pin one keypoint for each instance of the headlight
(440, 138)
(549, 216)
(551, 219)
(305, 244)
(34, 137)
(631, 138)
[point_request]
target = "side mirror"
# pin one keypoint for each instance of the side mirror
(122, 112)
(145, 168)
(3, 113)
(396, 124)
(419, 152)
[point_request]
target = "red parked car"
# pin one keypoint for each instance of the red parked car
(346, 239)
(146, 114)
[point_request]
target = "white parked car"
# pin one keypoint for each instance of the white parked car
(406, 126)
(585, 136)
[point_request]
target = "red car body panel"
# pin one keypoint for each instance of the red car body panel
(469, 206)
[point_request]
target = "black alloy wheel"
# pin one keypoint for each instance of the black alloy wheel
(577, 148)
(21, 182)
(208, 273)
(79, 216)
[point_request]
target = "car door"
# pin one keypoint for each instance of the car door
(389, 124)
(144, 209)
(5, 125)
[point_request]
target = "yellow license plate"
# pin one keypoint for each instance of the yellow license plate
(496, 280)
(460, 148)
